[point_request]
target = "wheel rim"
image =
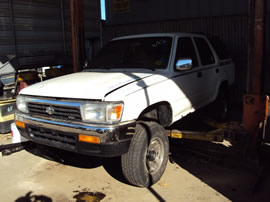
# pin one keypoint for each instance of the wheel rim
(154, 155)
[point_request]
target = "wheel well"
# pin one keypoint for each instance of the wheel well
(223, 86)
(160, 112)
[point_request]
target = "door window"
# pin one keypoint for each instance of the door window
(186, 50)
(206, 55)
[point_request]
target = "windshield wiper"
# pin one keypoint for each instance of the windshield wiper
(139, 67)
(100, 67)
(151, 68)
(108, 67)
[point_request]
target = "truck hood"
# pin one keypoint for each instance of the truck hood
(84, 85)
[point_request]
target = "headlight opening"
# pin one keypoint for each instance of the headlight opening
(102, 112)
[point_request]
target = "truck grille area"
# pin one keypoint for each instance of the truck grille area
(55, 111)
(53, 138)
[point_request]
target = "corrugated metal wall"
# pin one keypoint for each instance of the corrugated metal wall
(154, 10)
(39, 31)
(231, 29)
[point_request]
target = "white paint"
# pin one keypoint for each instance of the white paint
(16, 136)
(83, 85)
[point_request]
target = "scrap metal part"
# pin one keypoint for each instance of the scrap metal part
(14, 147)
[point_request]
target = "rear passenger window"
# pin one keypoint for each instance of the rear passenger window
(185, 49)
(220, 48)
(206, 55)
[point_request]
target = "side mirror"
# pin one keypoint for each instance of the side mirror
(183, 64)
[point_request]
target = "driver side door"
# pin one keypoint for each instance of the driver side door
(188, 80)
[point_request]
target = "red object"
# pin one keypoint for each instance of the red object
(22, 85)
(255, 103)
(256, 111)
(258, 46)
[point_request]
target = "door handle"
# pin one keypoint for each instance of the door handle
(199, 74)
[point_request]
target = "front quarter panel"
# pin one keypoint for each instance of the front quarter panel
(144, 93)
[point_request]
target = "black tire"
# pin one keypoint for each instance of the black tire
(221, 106)
(146, 160)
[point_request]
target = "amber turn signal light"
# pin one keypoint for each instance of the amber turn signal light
(90, 139)
(20, 124)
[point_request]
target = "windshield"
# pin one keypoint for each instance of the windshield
(149, 52)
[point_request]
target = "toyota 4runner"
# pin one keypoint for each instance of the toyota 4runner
(121, 102)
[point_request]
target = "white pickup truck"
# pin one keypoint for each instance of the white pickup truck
(120, 104)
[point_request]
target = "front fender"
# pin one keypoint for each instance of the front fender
(144, 93)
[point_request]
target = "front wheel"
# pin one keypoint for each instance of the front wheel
(146, 160)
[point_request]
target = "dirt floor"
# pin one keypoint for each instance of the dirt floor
(197, 171)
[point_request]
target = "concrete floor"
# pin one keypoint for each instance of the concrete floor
(197, 171)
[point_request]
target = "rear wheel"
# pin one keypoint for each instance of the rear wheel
(147, 157)
(221, 106)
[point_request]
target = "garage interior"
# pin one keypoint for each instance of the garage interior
(44, 39)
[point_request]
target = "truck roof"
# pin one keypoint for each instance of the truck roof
(173, 34)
